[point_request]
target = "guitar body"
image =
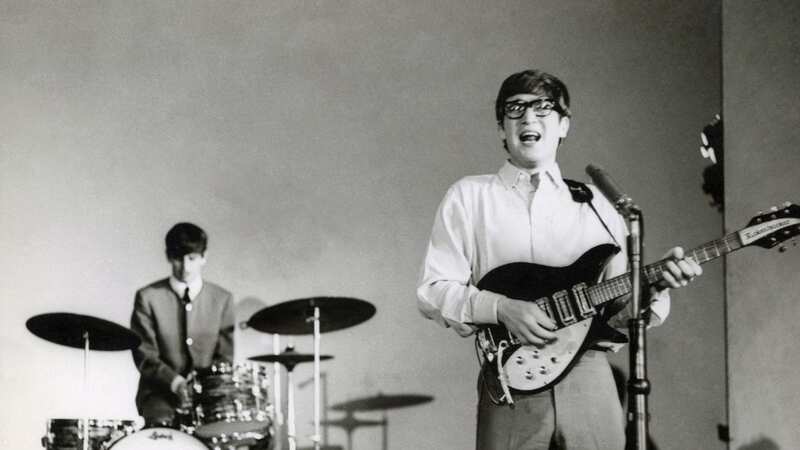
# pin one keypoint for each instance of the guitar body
(572, 297)
(530, 368)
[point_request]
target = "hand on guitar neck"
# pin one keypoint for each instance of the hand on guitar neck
(679, 270)
(531, 326)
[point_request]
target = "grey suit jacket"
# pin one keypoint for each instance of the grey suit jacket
(157, 318)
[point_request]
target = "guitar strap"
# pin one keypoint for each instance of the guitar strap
(582, 194)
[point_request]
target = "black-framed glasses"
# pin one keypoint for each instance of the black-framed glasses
(542, 107)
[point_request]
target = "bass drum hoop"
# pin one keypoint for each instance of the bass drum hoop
(158, 439)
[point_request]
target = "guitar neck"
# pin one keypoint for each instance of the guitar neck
(621, 285)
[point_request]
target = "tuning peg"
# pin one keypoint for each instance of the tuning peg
(787, 204)
(782, 249)
(774, 208)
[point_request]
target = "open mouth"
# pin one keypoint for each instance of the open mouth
(530, 136)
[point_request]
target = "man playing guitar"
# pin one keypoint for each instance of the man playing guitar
(528, 213)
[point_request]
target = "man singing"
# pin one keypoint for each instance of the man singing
(526, 212)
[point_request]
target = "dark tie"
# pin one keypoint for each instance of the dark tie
(187, 342)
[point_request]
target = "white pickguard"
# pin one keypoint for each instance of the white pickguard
(530, 367)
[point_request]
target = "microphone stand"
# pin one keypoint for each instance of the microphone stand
(638, 384)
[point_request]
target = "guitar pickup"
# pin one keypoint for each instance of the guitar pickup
(585, 309)
(565, 314)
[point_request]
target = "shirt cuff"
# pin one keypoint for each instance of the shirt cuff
(659, 308)
(176, 383)
(484, 307)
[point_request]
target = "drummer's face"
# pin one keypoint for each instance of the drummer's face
(189, 267)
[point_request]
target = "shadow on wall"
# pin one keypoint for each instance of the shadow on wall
(762, 443)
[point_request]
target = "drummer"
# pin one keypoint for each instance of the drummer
(184, 322)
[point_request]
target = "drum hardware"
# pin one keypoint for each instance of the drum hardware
(378, 402)
(349, 423)
(230, 403)
(86, 333)
(63, 434)
(289, 358)
(313, 315)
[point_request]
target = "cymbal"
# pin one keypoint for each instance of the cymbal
(380, 402)
(69, 329)
(296, 316)
(288, 357)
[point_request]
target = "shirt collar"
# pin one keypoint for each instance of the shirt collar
(180, 287)
(512, 175)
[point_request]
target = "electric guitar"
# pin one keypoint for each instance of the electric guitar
(570, 297)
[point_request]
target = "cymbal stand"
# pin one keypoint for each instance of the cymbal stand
(385, 434)
(276, 393)
(316, 437)
(85, 420)
(291, 431)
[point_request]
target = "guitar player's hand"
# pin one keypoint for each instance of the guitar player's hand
(526, 321)
(679, 270)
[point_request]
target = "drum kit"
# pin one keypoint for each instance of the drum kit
(228, 406)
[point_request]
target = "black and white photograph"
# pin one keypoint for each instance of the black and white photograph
(399, 225)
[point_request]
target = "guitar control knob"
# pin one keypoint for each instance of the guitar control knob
(529, 375)
(543, 370)
(554, 360)
(535, 355)
(520, 360)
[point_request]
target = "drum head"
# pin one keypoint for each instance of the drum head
(159, 439)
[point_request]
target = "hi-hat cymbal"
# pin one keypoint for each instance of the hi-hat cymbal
(380, 402)
(72, 329)
(288, 357)
(297, 316)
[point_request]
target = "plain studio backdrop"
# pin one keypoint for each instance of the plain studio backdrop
(313, 141)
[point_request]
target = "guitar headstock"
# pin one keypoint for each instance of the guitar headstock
(773, 227)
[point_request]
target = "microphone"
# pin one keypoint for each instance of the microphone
(608, 187)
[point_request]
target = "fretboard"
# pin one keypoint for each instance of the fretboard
(621, 285)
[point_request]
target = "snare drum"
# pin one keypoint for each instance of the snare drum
(68, 434)
(159, 439)
(231, 400)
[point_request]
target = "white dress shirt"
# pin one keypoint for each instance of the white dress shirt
(486, 221)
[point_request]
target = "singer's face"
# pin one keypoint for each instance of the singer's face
(532, 141)
(189, 267)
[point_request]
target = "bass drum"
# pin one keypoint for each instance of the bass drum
(158, 439)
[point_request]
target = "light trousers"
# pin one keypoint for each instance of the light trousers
(581, 412)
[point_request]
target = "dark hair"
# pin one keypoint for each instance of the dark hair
(532, 82)
(184, 238)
